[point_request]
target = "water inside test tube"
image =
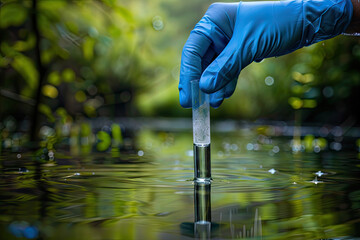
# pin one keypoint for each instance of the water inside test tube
(201, 115)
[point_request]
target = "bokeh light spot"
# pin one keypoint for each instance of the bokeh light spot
(80, 96)
(328, 92)
(50, 91)
(269, 81)
(157, 23)
(68, 75)
(295, 102)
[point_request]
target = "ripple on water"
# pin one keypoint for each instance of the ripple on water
(157, 195)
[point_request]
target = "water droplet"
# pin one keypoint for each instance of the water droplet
(77, 174)
(315, 181)
(272, 171)
(140, 153)
(320, 173)
(18, 155)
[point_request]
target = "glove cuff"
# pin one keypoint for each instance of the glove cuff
(325, 19)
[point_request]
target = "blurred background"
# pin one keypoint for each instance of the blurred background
(95, 145)
(69, 62)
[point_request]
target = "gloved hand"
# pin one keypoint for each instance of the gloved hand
(231, 36)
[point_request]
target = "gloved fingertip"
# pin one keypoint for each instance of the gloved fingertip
(185, 100)
(217, 103)
(216, 99)
(229, 91)
(226, 97)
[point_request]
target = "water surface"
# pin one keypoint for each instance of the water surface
(266, 192)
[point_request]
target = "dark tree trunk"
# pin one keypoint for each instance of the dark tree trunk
(34, 131)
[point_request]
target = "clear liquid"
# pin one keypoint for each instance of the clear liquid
(202, 163)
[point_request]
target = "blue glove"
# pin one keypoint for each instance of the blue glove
(231, 36)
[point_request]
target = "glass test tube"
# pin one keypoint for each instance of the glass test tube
(201, 133)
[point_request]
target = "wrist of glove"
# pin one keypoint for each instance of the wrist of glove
(218, 49)
(301, 23)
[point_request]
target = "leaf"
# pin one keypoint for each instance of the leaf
(22, 46)
(85, 130)
(80, 96)
(116, 134)
(88, 48)
(125, 13)
(52, 6)
(47, 55)
(7, 50)
(4, 61)
(12, 14)
(89, 110)
(26, 68)
(49, 91)
(104, 141)
(296, 103)
(303, 78)
(68, 75)
(309, 103)
(54, 78)
(46, 110)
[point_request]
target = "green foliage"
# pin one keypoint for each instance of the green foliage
(104, 141)
(117, 135)
(121, 58)
(54, 78)
(26, 68)
(12, 14)
(46, 110)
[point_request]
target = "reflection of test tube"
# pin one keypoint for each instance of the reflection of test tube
(201, 133)
(202, 210)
